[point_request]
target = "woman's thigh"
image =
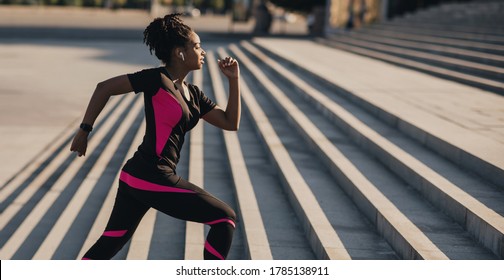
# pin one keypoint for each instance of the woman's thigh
(197, 205)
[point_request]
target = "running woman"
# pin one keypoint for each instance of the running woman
(172, 108)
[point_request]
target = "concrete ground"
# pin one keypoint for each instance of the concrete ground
(45, 87)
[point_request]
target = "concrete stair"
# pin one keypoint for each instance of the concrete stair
(460, 42)
(473, 14)
(338, 156)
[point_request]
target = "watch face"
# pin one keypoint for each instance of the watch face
(86, 127)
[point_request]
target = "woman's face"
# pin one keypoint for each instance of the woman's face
(194, 53)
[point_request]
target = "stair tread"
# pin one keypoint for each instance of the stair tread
(382, 86)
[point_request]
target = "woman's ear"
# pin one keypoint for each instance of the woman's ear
(179, 53)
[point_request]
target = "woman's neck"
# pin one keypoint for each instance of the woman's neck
(177, 73)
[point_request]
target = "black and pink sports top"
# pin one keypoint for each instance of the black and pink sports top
(168, 117)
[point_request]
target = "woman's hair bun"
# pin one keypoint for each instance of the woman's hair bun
(162, 35)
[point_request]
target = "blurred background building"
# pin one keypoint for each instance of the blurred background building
(320, 15)
(355, 13)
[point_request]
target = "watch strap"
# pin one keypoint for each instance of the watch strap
(86, 127)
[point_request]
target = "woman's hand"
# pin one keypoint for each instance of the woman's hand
(114, 86)
(229, 67)
(79, 143)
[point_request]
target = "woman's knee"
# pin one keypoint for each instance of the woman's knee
(227, 216)
(231, 214)
(225, 211)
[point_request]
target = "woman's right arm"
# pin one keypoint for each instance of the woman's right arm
(114, 86)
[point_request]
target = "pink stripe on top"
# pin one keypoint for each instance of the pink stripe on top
(140, 184)
(115, 233)
(167, 113)
(222, 221)
(212, 251)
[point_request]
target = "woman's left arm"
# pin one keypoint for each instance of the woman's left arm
(230, 118)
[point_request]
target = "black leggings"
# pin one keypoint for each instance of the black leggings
(183, 200)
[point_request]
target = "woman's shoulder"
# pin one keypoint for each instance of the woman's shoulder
(145, 80)
(147, 71)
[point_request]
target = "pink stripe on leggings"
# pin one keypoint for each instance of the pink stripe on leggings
(212, 251)
(115, 233)
(140, 184)
(226, 220)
